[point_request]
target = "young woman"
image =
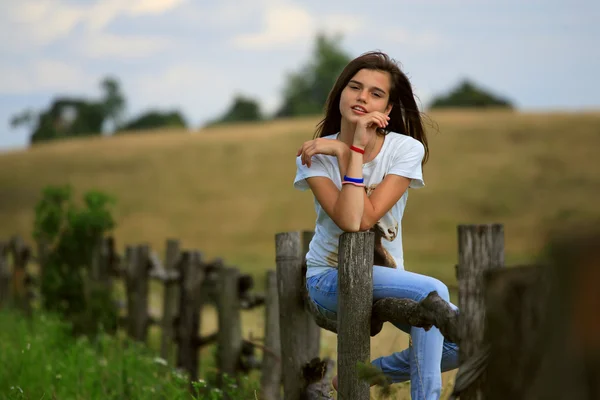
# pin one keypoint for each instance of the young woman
(368, 150)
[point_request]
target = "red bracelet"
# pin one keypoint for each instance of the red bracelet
(357, 149)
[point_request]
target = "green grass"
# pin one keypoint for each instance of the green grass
(41, 360)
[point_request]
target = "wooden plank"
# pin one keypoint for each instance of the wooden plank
(313, 330)
(480, 249)
(137, 292)
(270, 381)
(5, 275)
(229, 343)
(170, 306)
(20, 257)
(355, 299)
(543, 324)
(296, 325)
(188, 322)
(101, 267)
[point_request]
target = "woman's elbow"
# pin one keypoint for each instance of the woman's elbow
(349, 226)
(365, 225)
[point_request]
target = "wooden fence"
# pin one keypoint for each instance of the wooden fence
(502, 329)
(189, 282)
(524, 332)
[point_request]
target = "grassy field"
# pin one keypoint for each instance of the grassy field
(41, 360)
(228, 190)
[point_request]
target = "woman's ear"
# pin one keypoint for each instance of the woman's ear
(388, 109)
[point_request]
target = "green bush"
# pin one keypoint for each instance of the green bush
(71, 234)
(42, 360)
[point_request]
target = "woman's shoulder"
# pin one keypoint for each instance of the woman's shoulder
(404, 143)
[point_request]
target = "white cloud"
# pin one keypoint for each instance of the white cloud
(41, 22)
(103, 12)
(282, 25)
(287, 24)
(104, 45)
(43, 75)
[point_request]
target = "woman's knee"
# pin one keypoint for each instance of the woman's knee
(438, 286)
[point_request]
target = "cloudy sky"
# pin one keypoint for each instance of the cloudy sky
(194, 55)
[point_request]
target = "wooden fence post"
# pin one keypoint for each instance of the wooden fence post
(480, 248)
(355, 301)
(137, 292)
(19, 290)
(270, 380)
(297, 327)
(229, 341)
(314, 339)
(100, 272)
(169, 301)
(188, 321)
(4, 275)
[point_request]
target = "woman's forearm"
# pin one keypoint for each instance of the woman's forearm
(343, 160)
(349, 206)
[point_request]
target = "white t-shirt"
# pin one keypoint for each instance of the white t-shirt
(400, 155)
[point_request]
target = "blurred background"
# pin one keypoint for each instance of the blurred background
(188, 113)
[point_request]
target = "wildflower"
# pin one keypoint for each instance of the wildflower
(161, 361)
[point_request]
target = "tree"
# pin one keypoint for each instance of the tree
(468, 95)
(242, 109)
(71, 116)
(306, 91)
(26, 117)
(154, 119)
(113, 100)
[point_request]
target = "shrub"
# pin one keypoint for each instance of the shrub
(71, 234)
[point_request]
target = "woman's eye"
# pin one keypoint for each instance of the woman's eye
(376, 95)
(353, 87)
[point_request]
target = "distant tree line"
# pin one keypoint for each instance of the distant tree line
(75, 116)
(306, 90)
(304, 93)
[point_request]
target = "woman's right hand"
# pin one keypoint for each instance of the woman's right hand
(328, 147)
(367, 125)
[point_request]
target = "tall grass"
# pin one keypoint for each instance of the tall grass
(42, 360)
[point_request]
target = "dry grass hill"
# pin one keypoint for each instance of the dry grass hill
(228, 190)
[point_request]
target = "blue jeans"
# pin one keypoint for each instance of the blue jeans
(428, 356)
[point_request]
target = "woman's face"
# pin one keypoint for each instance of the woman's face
(367, 91)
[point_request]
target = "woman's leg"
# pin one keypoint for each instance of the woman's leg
(430, 354)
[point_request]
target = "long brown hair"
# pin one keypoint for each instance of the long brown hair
(405, 117)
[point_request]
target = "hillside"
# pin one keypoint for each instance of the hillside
(228, 190)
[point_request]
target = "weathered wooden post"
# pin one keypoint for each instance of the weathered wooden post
(188, 327)
(19, 290)
(100, 271)
(355, 301)
(229, 340)
(543, 324)
(297, 327)
(480, 249)
(315, 338)
(136, 277)
(270, 380)
(170, 298)
(4, 274)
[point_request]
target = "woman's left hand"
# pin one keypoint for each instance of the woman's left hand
(328, 147)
